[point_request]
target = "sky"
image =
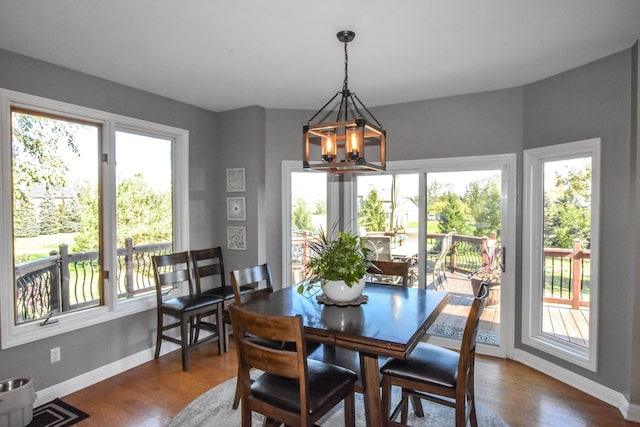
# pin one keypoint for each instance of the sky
(149, 156)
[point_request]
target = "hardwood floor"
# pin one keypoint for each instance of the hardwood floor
(151, 394)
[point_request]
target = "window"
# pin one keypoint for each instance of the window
(87, 197)
(560, 286)
(403, 208)
(55, 217)
(144, 224)
(308, 204)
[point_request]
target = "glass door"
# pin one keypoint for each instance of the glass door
(453, 220)
(464, 247)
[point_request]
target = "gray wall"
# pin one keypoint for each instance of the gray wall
(485, 123)
(242, 136)
(595, 100)
(90, 348)
(635, 153)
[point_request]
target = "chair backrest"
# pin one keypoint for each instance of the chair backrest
(468, 346)
(399, 270)
(380, 247)
(170, 271)
(445, 247)
(251, 276)
(207, 266)
(253, 353)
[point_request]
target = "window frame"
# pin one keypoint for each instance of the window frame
(507, 163)
(13, 335)
(289, 167)
(532, 261)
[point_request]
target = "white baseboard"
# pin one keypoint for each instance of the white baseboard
(612, 397)
(633, 413)
(102, 373)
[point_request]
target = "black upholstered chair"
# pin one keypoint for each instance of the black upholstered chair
(292, 390)
(209, 275)
(438, 374)
(170, 272)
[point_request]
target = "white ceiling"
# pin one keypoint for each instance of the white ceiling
(226, 54)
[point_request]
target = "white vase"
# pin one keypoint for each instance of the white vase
(338, 291)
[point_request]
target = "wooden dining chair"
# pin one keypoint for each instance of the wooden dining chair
(209, 275)
(389, 273)
(250, 279)
(250, 282)
(170, 272)
(292, 390)
(438, 374)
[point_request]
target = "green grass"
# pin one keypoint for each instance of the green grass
(29, 248)
(556, 265)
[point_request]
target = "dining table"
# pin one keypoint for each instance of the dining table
(390, 323)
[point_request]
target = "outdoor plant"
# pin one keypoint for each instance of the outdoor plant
(491, 271)
(341, 258)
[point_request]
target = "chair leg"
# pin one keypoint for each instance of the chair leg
(220, 329)
(246, 416)
(472, 415)
(404, 415)
(349, 410)
(185, 338)
(236, 398)
(227, 334)
(417, 406)
(195, 330)
(159, 334)
(386, 399)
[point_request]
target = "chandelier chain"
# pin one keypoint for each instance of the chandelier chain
(345, 87)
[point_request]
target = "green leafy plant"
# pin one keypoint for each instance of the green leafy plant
(341, 258)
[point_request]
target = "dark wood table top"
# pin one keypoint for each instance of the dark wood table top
(391, 323)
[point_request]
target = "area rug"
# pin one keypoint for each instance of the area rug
(445, 331)
(56, 414)
(213, 409)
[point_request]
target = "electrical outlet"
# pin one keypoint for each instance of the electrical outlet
(55, 354)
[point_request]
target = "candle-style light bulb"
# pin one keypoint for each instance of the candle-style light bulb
(329, 147)
(353, 151)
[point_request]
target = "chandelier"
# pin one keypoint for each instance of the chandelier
(342, 141)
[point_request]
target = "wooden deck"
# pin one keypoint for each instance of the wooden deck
(559, 321)
(566, 324)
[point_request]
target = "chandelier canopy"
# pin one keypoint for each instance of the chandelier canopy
(342, 141)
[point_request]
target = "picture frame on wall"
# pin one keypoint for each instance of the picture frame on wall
(237, 238)
(236, 209)
(235, 180)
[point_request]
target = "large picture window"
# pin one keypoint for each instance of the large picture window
(87, 198)
(560, 281)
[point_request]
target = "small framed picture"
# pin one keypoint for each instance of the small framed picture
(236, 209)
(237, 238)
(235, 180)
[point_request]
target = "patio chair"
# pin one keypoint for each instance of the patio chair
(437, 374)
(292, 389)
(380, 247)
(436, 266)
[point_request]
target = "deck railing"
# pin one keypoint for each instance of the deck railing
(567, 275)
(64, 281)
